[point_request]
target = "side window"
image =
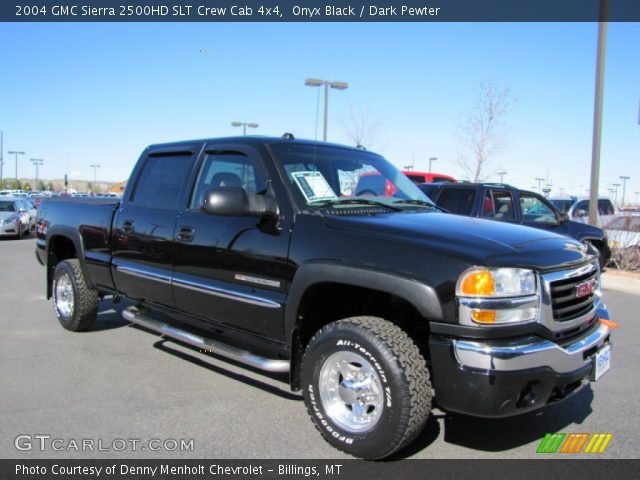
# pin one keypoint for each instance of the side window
(534, 209)
(488, 207)
(457, 200)
(160, 181)
(582, 209)
(227, 169)
(605, 207)
(502, 204)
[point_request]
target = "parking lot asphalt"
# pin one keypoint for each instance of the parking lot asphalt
(119, 382)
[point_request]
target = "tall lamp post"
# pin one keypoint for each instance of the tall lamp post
(1, 157)
(502, 174)
(37, 162)
(539, 180)
(624, 186)
(431, 160)
(314, 82)
(95, 167)
(13, 152)
(244, 126)
(615, 192)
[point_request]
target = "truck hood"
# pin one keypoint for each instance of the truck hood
(483, 242)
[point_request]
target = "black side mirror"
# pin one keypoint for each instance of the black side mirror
(564, 218)
(234, 202)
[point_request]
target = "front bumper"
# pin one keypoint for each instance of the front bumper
(10, 229)
(499, 378)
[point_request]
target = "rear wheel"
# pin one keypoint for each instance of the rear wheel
(76, 305)
(366, 386)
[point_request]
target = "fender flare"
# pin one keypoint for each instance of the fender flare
(421, 296)
(74, 236)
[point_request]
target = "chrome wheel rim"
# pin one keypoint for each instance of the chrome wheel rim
(64, 296)
(351, 392)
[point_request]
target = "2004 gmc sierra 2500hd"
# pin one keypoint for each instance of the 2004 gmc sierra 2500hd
(263, 251)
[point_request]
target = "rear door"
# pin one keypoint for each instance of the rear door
(231, 269)
(499, 204)
(142, 234)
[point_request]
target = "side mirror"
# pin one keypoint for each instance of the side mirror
(234, 202)
(564, 218)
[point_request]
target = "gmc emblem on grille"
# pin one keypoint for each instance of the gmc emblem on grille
(585, 288)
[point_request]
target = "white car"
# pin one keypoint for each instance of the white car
(578, 208)
(12, 219)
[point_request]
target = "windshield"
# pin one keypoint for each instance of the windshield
(7, 207)
(322, 175)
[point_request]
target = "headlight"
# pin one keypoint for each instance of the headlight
(496, 282)
(497, 296)
(11, 219)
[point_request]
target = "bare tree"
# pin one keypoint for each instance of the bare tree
(483, 133)
(361, 128)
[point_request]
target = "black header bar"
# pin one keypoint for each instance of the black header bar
(318, 11)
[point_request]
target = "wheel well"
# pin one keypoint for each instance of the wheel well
(60, 248)
(324, 303)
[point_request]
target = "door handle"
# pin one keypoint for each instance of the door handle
(127, 226)
(185, 234)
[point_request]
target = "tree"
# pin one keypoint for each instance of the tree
(361, 129)
(483, 133)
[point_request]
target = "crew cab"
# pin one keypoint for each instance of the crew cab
(509, 204)
(257, 249)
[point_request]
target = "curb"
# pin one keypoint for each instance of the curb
(628, 282)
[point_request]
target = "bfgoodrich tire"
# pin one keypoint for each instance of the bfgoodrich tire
(75, 304)
(366, 386)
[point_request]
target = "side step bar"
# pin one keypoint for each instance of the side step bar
(133, 315)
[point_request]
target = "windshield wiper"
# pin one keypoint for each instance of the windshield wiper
(355, 201)
(421, 203)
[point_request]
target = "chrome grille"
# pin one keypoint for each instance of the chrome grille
(567, 304)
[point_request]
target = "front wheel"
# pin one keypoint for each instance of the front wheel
(76, 304)
(366, 386)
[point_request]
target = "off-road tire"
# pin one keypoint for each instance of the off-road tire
(84, 304)
(401, 370)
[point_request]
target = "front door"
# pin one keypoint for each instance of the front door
(231, 270)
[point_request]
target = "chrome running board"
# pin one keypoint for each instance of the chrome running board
(133, 314)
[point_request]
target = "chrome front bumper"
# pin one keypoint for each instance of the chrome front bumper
(532, 352)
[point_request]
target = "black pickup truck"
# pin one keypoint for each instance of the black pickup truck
(262, 251)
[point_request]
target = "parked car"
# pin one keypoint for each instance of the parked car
(427, 177)
(509, 204)
(375, 184)
(577, 208)
(251, 248)
(12, 221)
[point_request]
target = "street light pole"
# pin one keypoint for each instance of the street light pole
(539, 180)
(502, 174)
(314, 82)
(597, 112)
(624, 186)
(1, 157)
(13, 152)
(95, 167)
(432, 159)
(37, 162)
(615, 193)
(244, 126)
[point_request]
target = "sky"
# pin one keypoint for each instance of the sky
(98, 93)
